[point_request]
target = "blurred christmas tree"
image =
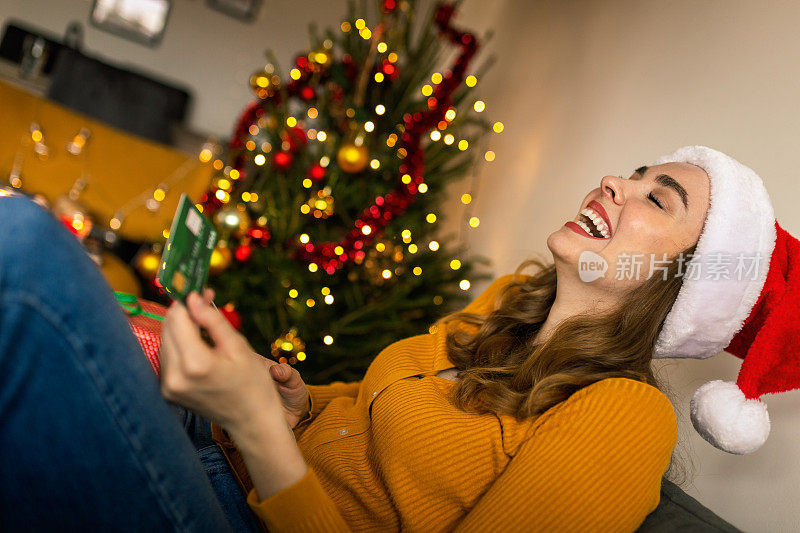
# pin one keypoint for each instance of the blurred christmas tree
(328, 203)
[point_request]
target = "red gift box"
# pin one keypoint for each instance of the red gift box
(145, 319)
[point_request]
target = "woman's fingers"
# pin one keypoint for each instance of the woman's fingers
(184, 334)
(288, 376)
(208, 295)
(180, 324)
(168, 358)
(215, 323)
(171, 362)
(278, 372)
(167, 353)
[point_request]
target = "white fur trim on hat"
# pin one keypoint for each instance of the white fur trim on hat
(708, 312)
(725, 418)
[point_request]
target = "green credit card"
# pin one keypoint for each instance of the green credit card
(187, 254)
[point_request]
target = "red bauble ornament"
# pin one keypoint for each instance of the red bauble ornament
(302, 63)
(282, 161)
(307, 93)
(316, 173)
(232, 315)
(243, 253)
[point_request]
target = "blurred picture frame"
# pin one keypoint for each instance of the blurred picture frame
(143, 21)
(245, 10)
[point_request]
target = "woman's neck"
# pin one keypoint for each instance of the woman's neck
(571, 300)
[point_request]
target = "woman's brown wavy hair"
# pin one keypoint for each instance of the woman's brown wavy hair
(503, 370)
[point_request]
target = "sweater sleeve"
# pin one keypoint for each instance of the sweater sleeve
(594, 464)
(320, 396)
(304, 507)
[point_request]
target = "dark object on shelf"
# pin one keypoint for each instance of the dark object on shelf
(677, 511)
(119, 97)
(18, 41)
(241, 9)
(143, 21)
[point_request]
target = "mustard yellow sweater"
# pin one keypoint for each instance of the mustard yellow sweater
(390, 453)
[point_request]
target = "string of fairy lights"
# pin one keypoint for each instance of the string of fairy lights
(67, 207)
(351, 156)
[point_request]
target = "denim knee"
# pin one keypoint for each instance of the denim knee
(26, 227)
(36, 246)
(19, 213)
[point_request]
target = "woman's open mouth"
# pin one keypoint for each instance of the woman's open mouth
(592, 222)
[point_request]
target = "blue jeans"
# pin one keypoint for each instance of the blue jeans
(87, 443)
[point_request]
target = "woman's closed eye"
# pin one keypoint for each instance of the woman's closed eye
(655, 201)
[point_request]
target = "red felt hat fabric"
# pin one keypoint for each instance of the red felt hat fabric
(769, 341)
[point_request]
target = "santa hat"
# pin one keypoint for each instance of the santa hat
(739, 294)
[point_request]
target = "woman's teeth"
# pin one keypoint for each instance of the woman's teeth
(598, 224)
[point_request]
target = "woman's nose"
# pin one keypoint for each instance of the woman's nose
(611, 188)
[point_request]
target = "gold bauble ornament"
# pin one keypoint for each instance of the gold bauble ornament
(263, 83)
(320, 58)
(233, 217)
(220, 258)
(147, 263)
(352, 158)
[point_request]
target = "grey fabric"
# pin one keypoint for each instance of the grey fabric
(677, 511)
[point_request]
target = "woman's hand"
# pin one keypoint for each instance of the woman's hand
(292, 390)
(228, 382)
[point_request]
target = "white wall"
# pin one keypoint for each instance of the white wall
(588, 88)
(585, 88)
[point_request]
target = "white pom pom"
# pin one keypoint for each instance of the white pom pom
(725, 418)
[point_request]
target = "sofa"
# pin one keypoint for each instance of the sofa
(677, 511)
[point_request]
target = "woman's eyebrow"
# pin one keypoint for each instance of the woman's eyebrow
(669, 182)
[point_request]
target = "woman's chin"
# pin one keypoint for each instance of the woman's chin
(566, 245)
